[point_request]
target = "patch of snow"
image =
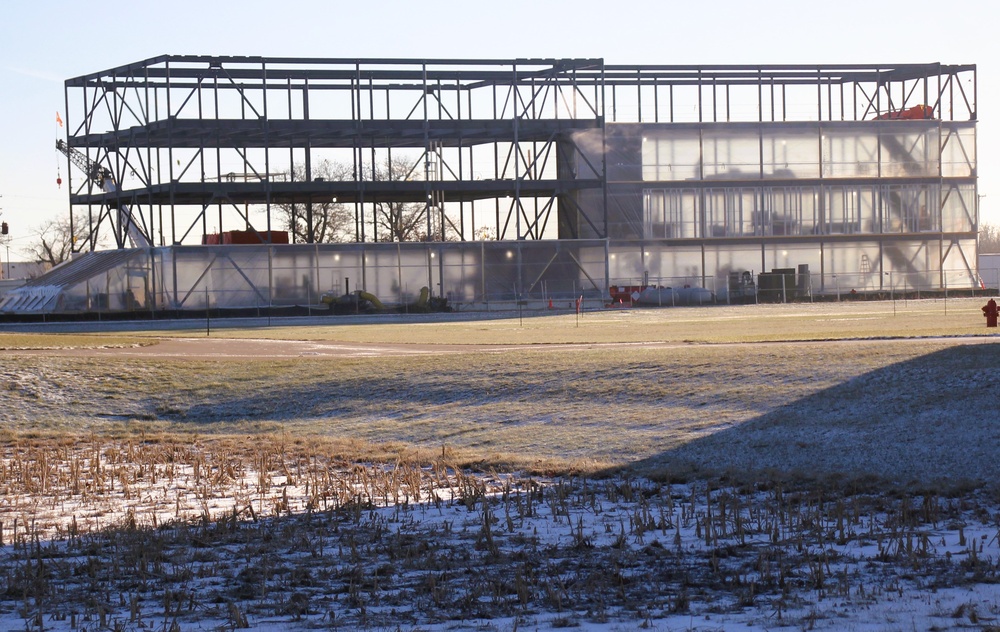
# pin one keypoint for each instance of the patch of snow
(132, 537)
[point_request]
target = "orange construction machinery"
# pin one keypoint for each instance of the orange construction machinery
(909, 114)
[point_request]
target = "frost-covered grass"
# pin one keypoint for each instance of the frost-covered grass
(12, 341)
(831, 485)
(722, 323)
(792, 407)
(129, 535)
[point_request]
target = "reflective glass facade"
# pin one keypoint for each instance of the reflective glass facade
(847, 199)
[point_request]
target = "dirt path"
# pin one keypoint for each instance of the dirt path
(264, 349)
(243, 349)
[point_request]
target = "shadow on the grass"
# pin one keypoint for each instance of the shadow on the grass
(930, 421)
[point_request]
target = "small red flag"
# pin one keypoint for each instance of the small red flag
(59, 119)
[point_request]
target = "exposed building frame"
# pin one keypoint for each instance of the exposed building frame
(535, 150)
(218, 135)
(221, 134)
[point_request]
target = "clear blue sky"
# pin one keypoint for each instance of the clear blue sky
(44, 42)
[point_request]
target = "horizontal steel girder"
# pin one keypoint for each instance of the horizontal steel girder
(345, 192)
(194, 133)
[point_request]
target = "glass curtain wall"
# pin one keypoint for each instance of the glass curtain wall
(469, 275)
(819, 184)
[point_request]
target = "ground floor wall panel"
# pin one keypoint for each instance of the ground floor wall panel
(863, 265)
(474, 274)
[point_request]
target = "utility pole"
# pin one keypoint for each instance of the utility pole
(5, 239)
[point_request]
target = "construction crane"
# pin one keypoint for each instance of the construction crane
(102, 178)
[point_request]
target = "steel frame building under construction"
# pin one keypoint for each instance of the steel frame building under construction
(497, 180)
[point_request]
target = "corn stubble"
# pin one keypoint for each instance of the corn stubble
(160, 534)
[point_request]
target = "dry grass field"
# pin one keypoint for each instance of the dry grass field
(655, 387)
(834, 421)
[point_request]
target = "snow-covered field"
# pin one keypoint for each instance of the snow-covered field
(131, 536)
(118, 531)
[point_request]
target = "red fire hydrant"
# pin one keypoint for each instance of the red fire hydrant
(990, 311)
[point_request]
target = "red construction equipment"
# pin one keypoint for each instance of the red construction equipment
(915, 113)
(231, 237)
(625, 295)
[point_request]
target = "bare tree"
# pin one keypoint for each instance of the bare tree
(989, 238)
(390, 221)
(331, 221)
(410, 221)
(56, 241)
(400, 221)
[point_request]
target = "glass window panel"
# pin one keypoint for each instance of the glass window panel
(788, 211)
(670, 213)
(849, 210)
(850, 152)
(959, 275)
(672, 266)
(732, 258)
(729, 212)
(790, 154)
(907, 152)
(625, 265)
(909, 208)
(852, 266)
(588, 159)
(958, 151)
(671, 156)
(731, 154)
(688, 201)
(804, 260)
(958, 208)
